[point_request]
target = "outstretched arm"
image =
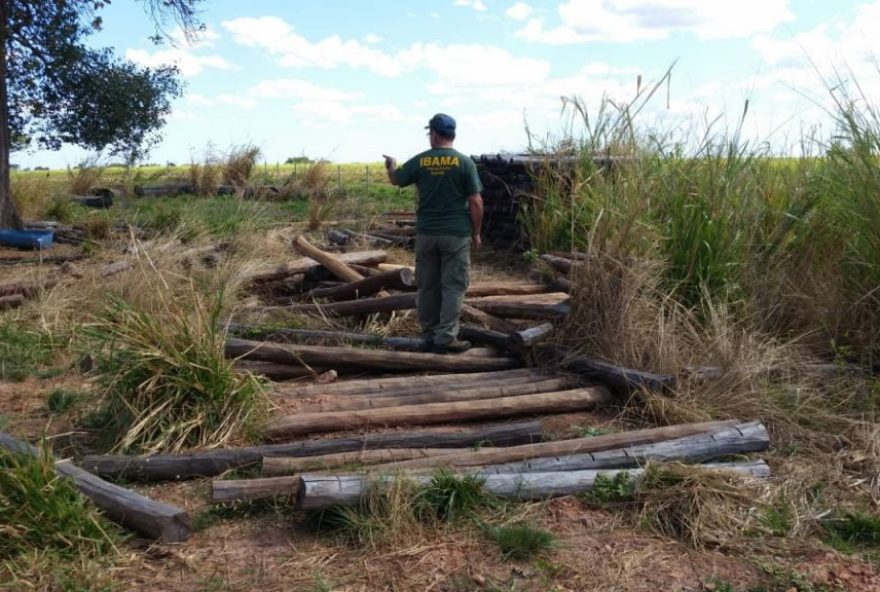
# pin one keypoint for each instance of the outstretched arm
(390, 167)
(475, 207)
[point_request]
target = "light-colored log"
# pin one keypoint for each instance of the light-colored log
(559, 402)
(532, 335)
(320, 491)
(336, 266)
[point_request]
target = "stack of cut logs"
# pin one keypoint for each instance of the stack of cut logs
(13, 295)
(476, 411)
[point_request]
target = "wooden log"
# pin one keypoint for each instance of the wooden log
(475, 315)
(152, 519)
(364, 306)
(538, 298)
(393, 266)
(11, 301)
(737, 439)
(364, 270)
(336, 266)
(49, 260)
(276, 371)
(596, 444)
(313, 336)
(320, 491)
(349, 403)
(26, 289)
(362, 359)
(531, 336)
(615, 377)
(398, 279)
(225, 491)
(497, 339)
(285, 465)
(524, 310)
(560, 264)
(480, 289)
(557, 402)
(562, 284)
(304, 264)
(337, 237)
(114, 268)
(405, 383)
(173, 467)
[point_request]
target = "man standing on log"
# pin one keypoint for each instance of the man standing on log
(448, 221)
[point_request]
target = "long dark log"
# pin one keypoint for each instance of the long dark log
(406, 383)
(304, 264)
(313, 336)
(364, 306)
(150, 518)
(398, 279)
(615, 377)
(558, 402)
(562, 284)
(481, 289)
(497, 339)
(475, 315)
(597, 444)
(524, 310)
(560, 264)
(276, 371)
(320, 491)
(349, 403)
(49, 260)
(356, 358)
(26, 289)
(172, 467)
(248, 490)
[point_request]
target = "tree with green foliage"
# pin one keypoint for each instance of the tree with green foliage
(56, 90)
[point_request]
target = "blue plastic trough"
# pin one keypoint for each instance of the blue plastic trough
(27, 239)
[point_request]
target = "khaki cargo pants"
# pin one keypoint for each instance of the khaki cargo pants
(442, 266)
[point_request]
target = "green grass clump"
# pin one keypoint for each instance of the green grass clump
(167, 383)
(23, 352)
(853, 530)
(606, 490)
(40, 511)
(449, 496)
(61, 400)
(521, 541)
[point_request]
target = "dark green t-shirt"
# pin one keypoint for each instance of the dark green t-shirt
(445, 178)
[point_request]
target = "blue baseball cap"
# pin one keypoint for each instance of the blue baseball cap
(442, 124)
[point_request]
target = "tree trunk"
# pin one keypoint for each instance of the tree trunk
(524, 310)
(9, 217)
(615, 377)
(150, 518)
(357, 307)
(595, 444)
(320, 491)
(496, 339)
(558, 402)
(173, 467)
(11, 301)
(346, 358)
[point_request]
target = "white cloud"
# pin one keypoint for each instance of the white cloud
(323, 113)
(293, 50)
(237, 101)
(519, 11)
(186, 61)
(372, 38)
(475, 4)
(631, 20)
(474, 65)
(294, 88)
(195, 39)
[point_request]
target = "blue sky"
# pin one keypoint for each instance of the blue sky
(348, 81)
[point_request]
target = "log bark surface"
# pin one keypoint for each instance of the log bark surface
(26, 289)
(559, 402)
(398, 279)
(248, 490)
(172, 467)
(11, 301)
(150, 518)
(284, 465)
(364, 306)
(616, 377)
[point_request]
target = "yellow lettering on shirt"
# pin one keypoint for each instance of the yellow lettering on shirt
(438, 165)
